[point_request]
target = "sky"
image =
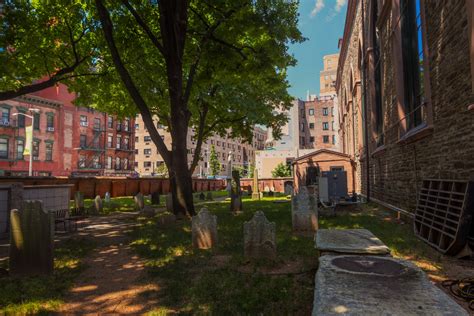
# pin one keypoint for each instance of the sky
(322, 23)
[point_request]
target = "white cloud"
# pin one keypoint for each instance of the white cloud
(318, 6)
(340, 4)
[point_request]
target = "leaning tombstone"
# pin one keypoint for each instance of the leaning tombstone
(235, 194)
(79, 202)
(304, 212)
(98, 205)
(31, 240)
(139, 201)
(155, 198)
(107, 197)
(169, 203)
(202, 197)
(204, 230)
(259, 237)
(147, 211)
(209, 196)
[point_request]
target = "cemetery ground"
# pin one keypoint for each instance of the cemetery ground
(127, 264)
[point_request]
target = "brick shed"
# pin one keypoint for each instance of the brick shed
(323, 160)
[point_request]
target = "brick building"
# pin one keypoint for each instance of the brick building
(68, 140)
(147, 157)
(405, 85)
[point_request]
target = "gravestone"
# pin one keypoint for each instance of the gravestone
(255, 192)
(148, 211)
(107, 197)
(349, 241)
(209, 196)
(139, 200)
(202, 197)
(259, 237)
(155, 198)
(31, 240)
(288, 189)
(165, 220)
(235, 196)
(98, 205)
(169, 203)
(304, 212)
(79, 201)
(204, 230)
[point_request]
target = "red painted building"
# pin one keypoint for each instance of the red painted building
(68, 140)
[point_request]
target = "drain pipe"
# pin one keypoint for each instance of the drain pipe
(364, 103)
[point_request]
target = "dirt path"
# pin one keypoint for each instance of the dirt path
(111, 281)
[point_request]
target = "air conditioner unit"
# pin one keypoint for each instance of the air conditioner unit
(50, 129)
(84, 123)
(4, 122)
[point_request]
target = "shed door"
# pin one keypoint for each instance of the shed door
(337, 183)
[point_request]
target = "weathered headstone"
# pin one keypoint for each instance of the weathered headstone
(259, 237)
(204, 230)
(288, 189)
(98, 205)
(31, 240)
(209, 196)
(202, 197)
(107, 197)
(165, 220)
(148, 211)
(155, 198)
(255, 192)
(139, 200)
(79, 201)
(236, 196)
(169, 203)
(304, 212)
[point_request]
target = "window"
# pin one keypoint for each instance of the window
(413, 60)
(110, 141)
(136, 139)
(127, 125)
(36, 121)
(302, 127)
(334, 139)
(125, 163)
(126, 141)
(119, 142)
(109, 162)
(147, 138)
(50, 123)
(147, 151)
(96, 142)
(147, 164)
(377, 79)
(326, 139)
(311, 111)
(20, 148)
(117, 163)
(49, 151)
(83, 141)
(325, 111)
(332, 125)
(83, 121)
(21, 119)
(36, 150)
(5, 119)
(82, 161)
(325, 126)
(302, 140)
(311, 125)
(3, 148)
(110, 122)
(97, 124)
(312, 174)
(137, 126)
(96, 162)
(311, 139)
(119, 126)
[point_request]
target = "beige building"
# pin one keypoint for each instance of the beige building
(327, 77)
(147, 158)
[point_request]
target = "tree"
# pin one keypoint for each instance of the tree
(217, 67)
(251, 170)
(214, 163)
(242, 171)
(281, 170)
(161, 170)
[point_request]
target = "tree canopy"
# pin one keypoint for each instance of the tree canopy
(281, 170)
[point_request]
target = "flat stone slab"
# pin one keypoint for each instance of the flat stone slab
(350, 241)
(374, 285)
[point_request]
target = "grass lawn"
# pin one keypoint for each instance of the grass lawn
(222, 281)
(34, 295)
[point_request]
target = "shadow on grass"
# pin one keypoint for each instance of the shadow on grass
(42, 294)
(222, 281)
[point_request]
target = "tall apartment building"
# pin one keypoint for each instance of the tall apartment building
(67, 140)
(327, 76)
(147, 157)
(410, 65)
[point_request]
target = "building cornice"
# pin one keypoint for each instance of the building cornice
(28, 98)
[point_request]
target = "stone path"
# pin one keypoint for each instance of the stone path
(111, 282)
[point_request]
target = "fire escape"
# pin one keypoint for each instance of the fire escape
(93, 152)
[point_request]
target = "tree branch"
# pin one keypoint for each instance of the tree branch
(107, 28)
(200, 138)
(144, 26)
